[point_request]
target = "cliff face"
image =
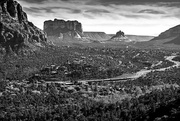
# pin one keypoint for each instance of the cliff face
(62, 29)
(16, 31)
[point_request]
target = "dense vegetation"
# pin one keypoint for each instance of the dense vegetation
(26, 95)
(103, 62)
(22, 101)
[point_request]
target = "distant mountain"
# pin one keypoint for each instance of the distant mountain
(98, 36)
(170, 39)
(139, 38)
(16, 32)
(170, 36)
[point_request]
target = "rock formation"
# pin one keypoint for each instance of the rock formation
(63, 29)
(16, 31)
(170, 36)
(120, 36)
(97, 36)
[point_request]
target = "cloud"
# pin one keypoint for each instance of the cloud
(50, 9)
(34, 1)
(170, 4)
(151, 11)
(97, 11)
(76, 11)
(133, 16)
(38, 10)
(134, 2)
(88, 16)
(71, 10)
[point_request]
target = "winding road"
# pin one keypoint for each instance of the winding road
(138, 74)
(143, 72)
(125, 77)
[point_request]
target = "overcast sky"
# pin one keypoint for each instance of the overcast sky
(138, 17)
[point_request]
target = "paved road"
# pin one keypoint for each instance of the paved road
(140, 73)
(125, 77)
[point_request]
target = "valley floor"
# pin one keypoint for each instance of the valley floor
(48, 85)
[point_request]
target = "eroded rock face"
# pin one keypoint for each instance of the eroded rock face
(11, 8)
(60, 28)
(15, 29)
(2, 3)
(120, 36)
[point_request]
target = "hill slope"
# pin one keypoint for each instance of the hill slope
(170, 36)
(20, 42)
(170, 39)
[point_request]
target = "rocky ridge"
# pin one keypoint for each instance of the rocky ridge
(16, 32)
(170, 36)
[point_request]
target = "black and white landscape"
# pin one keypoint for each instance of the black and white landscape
(89, 60)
